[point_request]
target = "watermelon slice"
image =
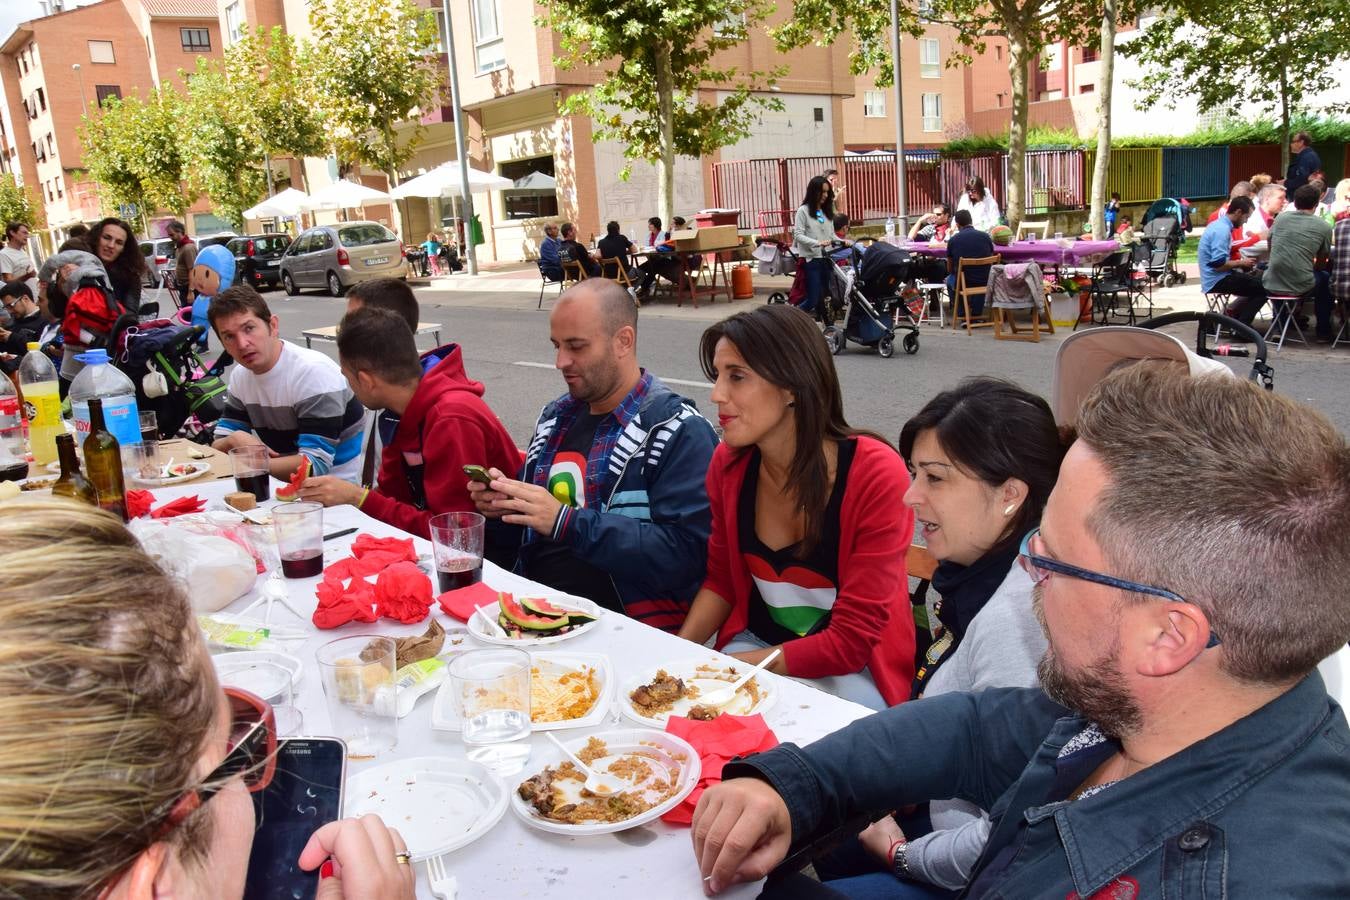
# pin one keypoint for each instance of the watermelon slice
(525, 619)
(292, 491)
(541, 607)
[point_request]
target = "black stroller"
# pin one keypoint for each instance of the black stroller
(1208, 326)
(1165, 224)
(160, 358)
(868, 322)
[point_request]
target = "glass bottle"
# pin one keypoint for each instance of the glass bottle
(103, 459)
(72, 482)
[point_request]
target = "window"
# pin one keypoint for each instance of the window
(59, 192)
(51, 150)
(732, 25)
(998, 52)
(489, 48)
(48, 185)
(195, 40)
(1086, 88)
(101, 52)
(1090, 54)
(1054, 57)
(874, 104)
(234, 20)
(531, 202)
(932, 112)
(42, 100)
(105, 91)
(929, 64)
(925, 10)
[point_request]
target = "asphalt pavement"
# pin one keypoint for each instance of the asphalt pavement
(493, 316)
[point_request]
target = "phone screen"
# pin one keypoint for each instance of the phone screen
(305, 793)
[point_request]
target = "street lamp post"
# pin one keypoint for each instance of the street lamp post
(84, 104)
(903, 217)
(466, 199)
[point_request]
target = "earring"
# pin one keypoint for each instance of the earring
(1008, 510)
(791, 404)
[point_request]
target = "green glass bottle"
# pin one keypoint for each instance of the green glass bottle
(72, 482)
(103, 459)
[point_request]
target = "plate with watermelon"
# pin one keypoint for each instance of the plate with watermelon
(534, 620)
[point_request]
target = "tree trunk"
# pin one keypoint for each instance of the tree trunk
(1018, 59)
(1105, 78)
(1284, 125)
(665, 103)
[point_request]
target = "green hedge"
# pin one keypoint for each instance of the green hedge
(1334, 130)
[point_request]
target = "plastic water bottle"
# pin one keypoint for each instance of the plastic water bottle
(41, 404)
(13, 454)
(99, 378)
(890, 226)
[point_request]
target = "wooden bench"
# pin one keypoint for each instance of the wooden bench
(330, 333)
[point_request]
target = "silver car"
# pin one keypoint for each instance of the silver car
(337, 256)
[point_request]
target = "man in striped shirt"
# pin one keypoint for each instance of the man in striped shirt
(292, 400)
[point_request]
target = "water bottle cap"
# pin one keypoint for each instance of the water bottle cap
(34, 345)
(93, 357)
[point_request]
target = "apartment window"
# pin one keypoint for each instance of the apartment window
(59, 192)
(42, 100)
(925, 10)
(733, 25)
(874, 104)
(1086, 88)
(48, 185)
(1054, 57)
(106, 91)
(932, 112)
(195, 40)
(489, 48)
(998, 52)
(1090, 54)
(51, 149)
(929, 64)
(23, 63)
(101, 52)
(234, 21)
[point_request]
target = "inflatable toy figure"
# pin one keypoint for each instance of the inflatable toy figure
(212, 273)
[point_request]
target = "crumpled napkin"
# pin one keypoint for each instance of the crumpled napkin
(139, 503)
(180, 507)
(717, 743)
(403, 592)
(417, 647)
(463, 602)
(339, 604)
(399, 548)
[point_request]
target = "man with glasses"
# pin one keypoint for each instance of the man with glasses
(1303, 162)
(27, 324)
(1183, 744)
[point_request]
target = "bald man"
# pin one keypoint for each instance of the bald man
(610, 504)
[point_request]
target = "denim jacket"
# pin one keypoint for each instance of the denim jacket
(1261, 809)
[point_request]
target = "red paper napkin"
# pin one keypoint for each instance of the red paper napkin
(463, 602)
(339, 605)
(717, 742)
(181, 506)
(139, 503)
(403, 592)
(400, 548)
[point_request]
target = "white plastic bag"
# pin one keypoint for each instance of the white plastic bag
(214, 570)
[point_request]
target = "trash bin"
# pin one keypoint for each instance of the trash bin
(476, 230)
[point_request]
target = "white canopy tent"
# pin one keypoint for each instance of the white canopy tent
(344, 194)
(283, 205)
(536, 181)
(443, 181)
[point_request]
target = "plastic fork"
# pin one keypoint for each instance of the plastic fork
(443, 884)
(723, 696)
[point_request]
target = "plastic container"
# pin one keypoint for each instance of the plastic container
(99, 378)
(41, 403)
(890, 226)
(13, 454)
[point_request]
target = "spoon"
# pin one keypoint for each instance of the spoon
(723, 696)
(496, 629)
(164, 469)
(593, 782)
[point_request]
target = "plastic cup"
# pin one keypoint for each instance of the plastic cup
(251, 472)
(140, 462)
(358, 680)
(149, 426)
(491, 691)
(299, 530)
(457, 543)
(272, 682)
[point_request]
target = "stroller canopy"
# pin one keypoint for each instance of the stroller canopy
(884, 268)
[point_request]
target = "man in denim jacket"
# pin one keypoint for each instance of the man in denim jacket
(1188, 587)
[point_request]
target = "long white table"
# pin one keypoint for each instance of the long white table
(514, 860)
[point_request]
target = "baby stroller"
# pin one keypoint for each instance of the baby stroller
(863, 322)
(883, 275)
(160, 358)
(1165, 225)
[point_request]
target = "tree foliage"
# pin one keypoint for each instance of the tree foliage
(265, 71)
(223, 152)
(657, 56)
(133, 149)
(1244, 56)
(18, 205)
(375, 65)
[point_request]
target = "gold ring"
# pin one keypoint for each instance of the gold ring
(403, 857)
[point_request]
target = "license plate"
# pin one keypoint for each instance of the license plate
(377, 260)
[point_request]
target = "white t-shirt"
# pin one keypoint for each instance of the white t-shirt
(983, 215)
(12, 261)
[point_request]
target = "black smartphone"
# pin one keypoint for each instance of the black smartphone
(305, 793)
(478, 473)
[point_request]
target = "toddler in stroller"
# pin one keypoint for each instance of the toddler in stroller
(865, 295)
(160, 358)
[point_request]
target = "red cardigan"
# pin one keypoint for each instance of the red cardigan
(871, 623)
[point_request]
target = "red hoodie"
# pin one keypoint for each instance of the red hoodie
(445, 427)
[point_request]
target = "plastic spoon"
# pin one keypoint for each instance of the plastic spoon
(496, 629)
(723, 696)
(593, 782)
(164, 472)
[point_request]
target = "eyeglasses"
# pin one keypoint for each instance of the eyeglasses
(252, 753)
(1041, 567)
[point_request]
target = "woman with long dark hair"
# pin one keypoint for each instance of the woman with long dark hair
(809, 529)
(113, 241)
(812, 234)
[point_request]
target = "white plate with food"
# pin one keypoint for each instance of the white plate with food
(673, 690)
(656, 771)
(437, 803)
(176, 474)
(28, 485)
(534, 620)
(567, 690)
(242, 669)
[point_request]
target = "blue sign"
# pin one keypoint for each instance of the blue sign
(128, 211)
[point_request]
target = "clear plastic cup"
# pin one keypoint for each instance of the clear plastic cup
(140, 462)
(491, 691)
(272, 682)
(299, 530)
(457, 543)
(358, 680)
(251, 471)
(149, 426)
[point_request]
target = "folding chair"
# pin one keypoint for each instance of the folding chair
(1344, 306)
(620, 275)
(573, 271)
(1285, 309)
(1008, 294)
(964, 292)
(545, 280)
(933, 293)
(1039, 228)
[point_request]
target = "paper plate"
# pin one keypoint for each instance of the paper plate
(668, 758)
(240, 669)
(445, 717)
(438, 804)
(186, 471)
(706, 674)
(480, 629)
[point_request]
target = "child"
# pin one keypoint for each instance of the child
(1112, 211)
(432, 246)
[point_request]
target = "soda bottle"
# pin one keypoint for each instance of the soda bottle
(41, 404)
(99, 378)
(72, 482)
(103, 458)
(13, 455)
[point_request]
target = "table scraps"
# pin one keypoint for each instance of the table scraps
(717, 742)
(403, 592)
(462, 602)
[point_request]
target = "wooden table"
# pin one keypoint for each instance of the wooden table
(330, 333)
(178, 448)
(695, 290)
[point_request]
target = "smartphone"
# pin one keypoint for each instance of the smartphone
(478, 473)
(305, 793)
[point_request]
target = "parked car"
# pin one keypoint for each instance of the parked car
(337, 256)
(256, 258)
(222, 237)
(158, 253)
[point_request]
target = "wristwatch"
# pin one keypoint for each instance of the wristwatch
(900, 864)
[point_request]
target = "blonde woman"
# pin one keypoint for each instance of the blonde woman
(125, 769)
(1340, 206)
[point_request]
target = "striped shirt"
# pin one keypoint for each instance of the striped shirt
(302, 405)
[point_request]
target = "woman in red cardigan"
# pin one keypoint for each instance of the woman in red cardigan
(809, 525)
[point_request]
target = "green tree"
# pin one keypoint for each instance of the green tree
(224, 156)
(1105, 88)
(1245, 56)
(17, 204)
(374, 66)
(866, 23)
(133, 150)
(656, 57)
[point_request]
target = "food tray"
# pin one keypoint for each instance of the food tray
(445, 717)
(688, 671)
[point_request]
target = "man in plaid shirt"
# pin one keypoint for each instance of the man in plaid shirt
(1340, 276)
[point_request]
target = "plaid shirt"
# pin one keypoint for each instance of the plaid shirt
(1340, 260)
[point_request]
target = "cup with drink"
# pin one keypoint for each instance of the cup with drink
(457, 541)
(141, 462)
(299, 531)
(491, 691)
(251, 471)
(149, 426)
(358, 680)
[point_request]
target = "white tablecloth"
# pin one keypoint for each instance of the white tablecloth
(514, 860)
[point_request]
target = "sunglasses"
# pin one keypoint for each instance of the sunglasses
(1041, 567)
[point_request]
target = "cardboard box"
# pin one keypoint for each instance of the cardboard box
(716, 237)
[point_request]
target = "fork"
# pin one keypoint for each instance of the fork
(443, 884)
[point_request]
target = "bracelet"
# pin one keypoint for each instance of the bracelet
(365, 492)
(900, 858)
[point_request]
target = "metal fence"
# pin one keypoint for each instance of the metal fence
(1251, 159)
(1195, 172)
